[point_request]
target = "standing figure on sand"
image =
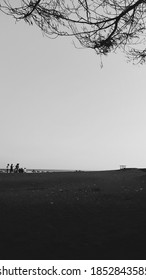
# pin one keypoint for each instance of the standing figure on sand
(16, 170)
(7, 168)
(11, 168)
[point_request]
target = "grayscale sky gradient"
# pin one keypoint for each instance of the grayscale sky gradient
(60, 110)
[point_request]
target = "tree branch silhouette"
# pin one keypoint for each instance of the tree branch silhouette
(102, 25)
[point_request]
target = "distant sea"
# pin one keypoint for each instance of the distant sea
(48, 170)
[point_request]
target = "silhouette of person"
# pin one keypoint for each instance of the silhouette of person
(7, 168)
(11, 168)
(17, 168)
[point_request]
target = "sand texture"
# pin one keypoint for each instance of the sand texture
(73, 215)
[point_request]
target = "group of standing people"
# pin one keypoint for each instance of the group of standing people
(11, 169)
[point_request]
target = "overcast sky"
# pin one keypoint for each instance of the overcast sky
(60, 110)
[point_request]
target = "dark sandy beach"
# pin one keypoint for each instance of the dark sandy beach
(73, 215)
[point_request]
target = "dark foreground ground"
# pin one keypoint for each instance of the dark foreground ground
(79, 215)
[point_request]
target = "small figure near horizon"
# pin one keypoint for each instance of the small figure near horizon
(11, 168)
(17, 168)
(21, 170)
(7, 168)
